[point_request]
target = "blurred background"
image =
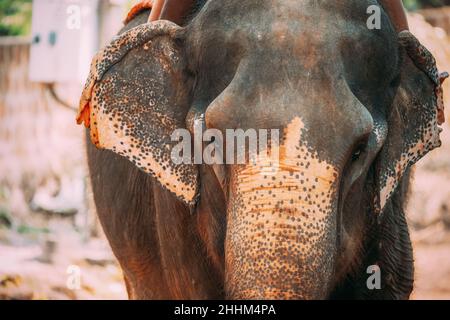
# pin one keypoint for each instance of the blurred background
(51, 245)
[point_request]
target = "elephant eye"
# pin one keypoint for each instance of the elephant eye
(356, 155)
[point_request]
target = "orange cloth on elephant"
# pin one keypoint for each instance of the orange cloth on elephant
(136, 9)
(173, 10)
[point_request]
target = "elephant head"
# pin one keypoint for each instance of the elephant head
(355, 108)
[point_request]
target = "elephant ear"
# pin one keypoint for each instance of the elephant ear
(136, 96)
(414, 118)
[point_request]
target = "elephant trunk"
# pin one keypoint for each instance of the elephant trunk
(281, 231)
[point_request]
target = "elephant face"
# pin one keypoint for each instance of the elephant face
(355, 108)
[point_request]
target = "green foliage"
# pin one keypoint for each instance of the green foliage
(420, 4)
(5, 218)
(26, 229)
(15, 17)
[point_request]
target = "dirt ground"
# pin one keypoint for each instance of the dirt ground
(73, 269)
(432, 263)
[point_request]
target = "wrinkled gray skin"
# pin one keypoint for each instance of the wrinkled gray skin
(351, 107)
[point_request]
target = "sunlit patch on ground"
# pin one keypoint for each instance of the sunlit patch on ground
(68, 269)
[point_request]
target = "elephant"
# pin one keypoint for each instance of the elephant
(355, 107)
